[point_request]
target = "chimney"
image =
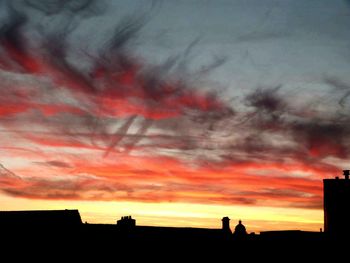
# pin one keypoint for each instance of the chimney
(226, 224)
(126, 222)
(346, 173)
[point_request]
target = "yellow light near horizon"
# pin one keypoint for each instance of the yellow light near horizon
(179, 214)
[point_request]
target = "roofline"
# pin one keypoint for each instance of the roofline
(174, 227)
(55, 210)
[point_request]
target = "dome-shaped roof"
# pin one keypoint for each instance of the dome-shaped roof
(240, 229)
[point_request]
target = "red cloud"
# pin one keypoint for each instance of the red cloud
(119, 128)
(168, 180)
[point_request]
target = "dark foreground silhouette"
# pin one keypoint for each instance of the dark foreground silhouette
(62, 232)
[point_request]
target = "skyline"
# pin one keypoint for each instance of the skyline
(174, 111)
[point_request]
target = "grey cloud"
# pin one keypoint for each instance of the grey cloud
(342, 89)
(55, 163)
(210, 124)
(52, 7)
(159, 87)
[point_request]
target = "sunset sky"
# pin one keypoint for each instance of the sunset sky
(175, 112)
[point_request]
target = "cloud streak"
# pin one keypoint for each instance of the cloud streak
(117, 88)
(128, 129)
(151, 185)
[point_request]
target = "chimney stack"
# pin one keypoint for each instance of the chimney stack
(226, 224)
(346, 173)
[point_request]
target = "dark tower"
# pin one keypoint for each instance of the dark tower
(240, 231)
(226, 225)
(336, 205)
(126, 223)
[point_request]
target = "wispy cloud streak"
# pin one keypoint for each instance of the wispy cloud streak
(112, 126)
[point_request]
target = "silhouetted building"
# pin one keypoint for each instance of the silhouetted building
(126, 222)
(336, 204)
(226, 224)
(40, 218)
(290, 235)
(126, 226)
(181, 234)
(240, 230)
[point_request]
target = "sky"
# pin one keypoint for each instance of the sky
(175, 112)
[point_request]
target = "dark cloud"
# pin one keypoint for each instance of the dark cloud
(115, 93)
(323, 138)
(268, 107)
(77, 187)
(319, 134)
(110, 101)
(266, 101)
(7, 177)
(55, 163)
(52, 7)
(341, 88)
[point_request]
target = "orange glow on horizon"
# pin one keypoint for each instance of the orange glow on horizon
(256, 219)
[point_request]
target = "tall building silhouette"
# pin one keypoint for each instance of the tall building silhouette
(226, 224)
(40, 218)
(336, 205)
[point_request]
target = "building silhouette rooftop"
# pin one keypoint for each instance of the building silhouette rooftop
(336, 202)
(40, 218)
(54, 225)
